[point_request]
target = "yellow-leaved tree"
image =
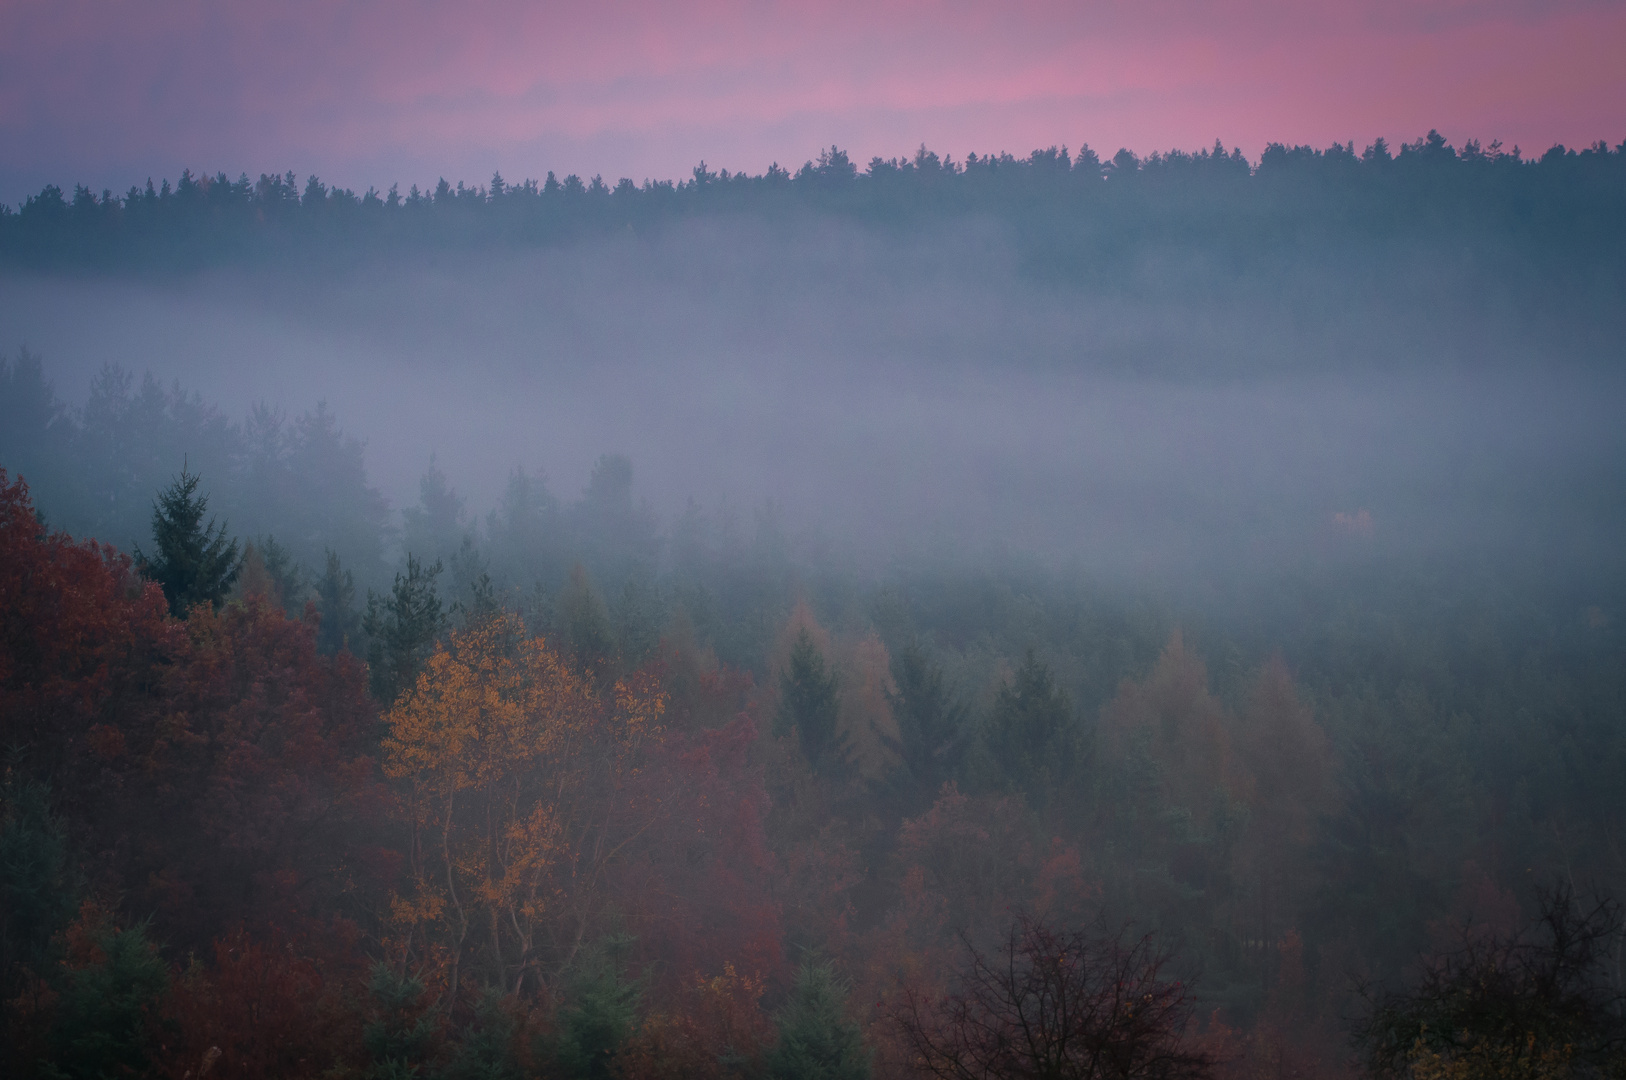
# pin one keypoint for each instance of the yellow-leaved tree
(517, 777)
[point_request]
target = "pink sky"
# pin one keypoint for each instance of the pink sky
(372, 91)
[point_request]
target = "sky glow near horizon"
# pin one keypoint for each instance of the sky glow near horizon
(374, 92)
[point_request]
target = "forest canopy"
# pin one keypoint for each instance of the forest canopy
(301, 779)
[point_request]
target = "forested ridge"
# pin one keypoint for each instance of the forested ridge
(1075, 215)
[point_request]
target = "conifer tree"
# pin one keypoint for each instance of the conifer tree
(195, 563)
(586, 627)
(1032, 736)
(602, 1013)
(931, 738)
(808, 706)
(38, 885)
(403, 628)
(335, 602)
(401, 1035)
(817, 1040)
(439, 523)
(287, 576)
(488, 1046)
(104, 1016)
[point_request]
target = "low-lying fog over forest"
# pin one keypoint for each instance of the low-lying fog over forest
(678, 629)
(1162, 377)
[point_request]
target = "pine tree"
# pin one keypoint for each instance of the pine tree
(808, 706)
(817, 1040)
(439, 523)
(196, 564)
(38, 884)
(1033, 735)
(287, 576)
(335, 602)
(403, 629)
(103, 1024)
(487, 1047)
(931, 739)
(602, 1013)
(401, 1036)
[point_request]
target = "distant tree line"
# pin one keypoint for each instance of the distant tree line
(101, 464)
(1076, 215)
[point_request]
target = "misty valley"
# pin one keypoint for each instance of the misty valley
(1020, 617)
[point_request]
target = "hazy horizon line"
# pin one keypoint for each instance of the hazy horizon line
(1379, 149)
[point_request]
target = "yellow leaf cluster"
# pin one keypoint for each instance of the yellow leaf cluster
(485, 706)
(513, 763)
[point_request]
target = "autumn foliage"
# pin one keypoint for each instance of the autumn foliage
(222, 856)
(240, 788)
(519, 799)
(79, 636)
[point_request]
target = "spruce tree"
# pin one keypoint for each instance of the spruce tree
(586, 627)
(817, 1040)
(39, 887)
(487, 1047)
(104, 1013)
(808, 706)
(1033, 734)
(403, 628)
(931, 739)
(195, 563)
(401, 1035)
(601, 1014)
(439, 523)
(287, 577)
(335, 602)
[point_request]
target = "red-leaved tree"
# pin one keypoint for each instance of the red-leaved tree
(212, 770)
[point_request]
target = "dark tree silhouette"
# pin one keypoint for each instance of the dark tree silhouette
(1541, 1002)
(335, 601)
(195, 563)
(1033, 734)
(1057, 1005)
(808, 706)
(931, 739)
(403, 627)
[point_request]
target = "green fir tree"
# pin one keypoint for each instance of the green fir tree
(403, 627)
(601, 1015)
(195, 563)
(401, 1034)
(809, 706)
(336, 603)
(1033, 735)
(817, 1040)
(104, 1019)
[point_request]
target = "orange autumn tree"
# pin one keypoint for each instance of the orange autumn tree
(519, 797)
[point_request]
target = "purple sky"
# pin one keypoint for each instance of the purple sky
(363, 92)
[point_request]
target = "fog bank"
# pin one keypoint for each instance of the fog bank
(898, 394)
